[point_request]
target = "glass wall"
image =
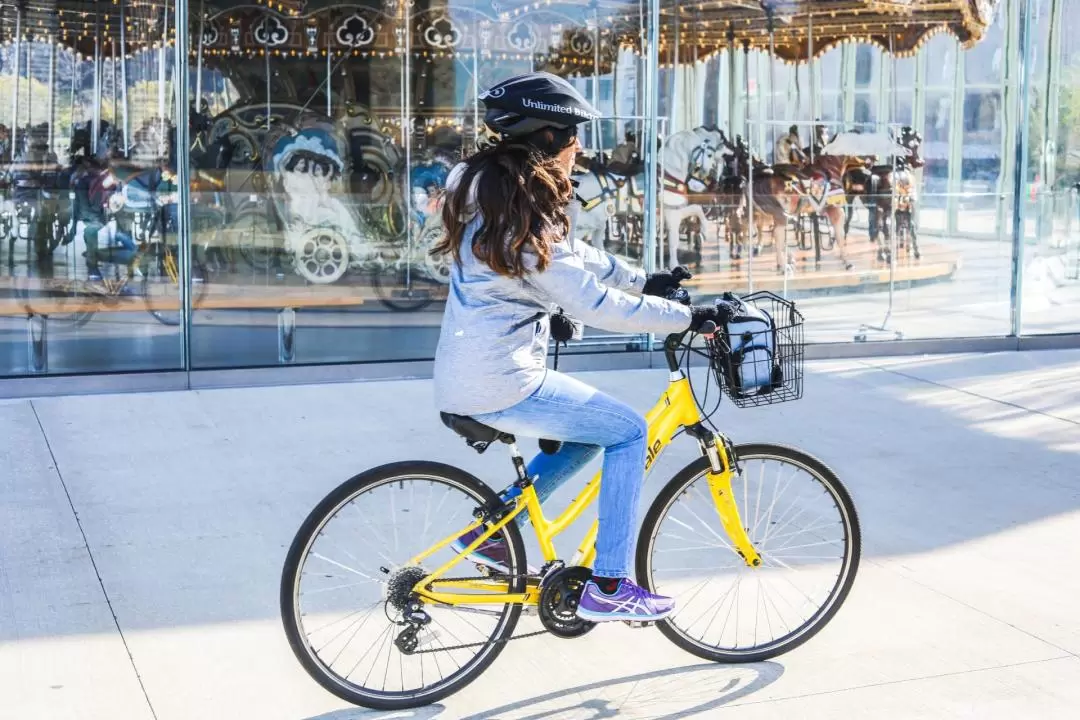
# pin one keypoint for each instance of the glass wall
(1051, 268)
(910, 240)
(89, 275)
(321, 133)
(323, 136)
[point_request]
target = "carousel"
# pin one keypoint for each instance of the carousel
(321, 134)
(785, 223)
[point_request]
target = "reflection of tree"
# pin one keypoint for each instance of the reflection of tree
(1068, 155)
(39, 103)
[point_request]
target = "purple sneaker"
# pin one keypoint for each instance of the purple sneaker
(629, 603)
(492, 552)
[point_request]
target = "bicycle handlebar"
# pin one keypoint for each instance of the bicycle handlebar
(674, 341)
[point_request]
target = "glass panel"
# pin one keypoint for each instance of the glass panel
(940, 52)
(87, 199)
(326, 141)
(1051, 302)
(922, 246)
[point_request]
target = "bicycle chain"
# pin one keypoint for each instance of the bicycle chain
(464, 646)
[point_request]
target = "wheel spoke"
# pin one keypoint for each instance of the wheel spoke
(352, 567)
(798, 521)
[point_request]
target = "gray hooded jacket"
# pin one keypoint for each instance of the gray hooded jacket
(493, 346)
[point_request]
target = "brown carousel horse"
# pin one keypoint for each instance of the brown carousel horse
(873, 184)
(782, 191)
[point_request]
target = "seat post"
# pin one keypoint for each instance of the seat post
(519, 464)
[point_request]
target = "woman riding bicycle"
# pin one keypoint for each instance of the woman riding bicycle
(509, 217)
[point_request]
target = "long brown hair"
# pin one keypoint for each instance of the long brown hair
(521, 194)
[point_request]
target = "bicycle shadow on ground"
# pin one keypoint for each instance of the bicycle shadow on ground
(668, 694)
(428, 712)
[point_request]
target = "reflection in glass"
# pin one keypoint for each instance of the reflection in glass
(325, 134)
(90, 276)
(1051, 278)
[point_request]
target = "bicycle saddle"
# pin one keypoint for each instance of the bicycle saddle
(477, 435)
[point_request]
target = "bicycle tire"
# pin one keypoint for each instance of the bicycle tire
(314, 524)
(664, 500)
(412, 299)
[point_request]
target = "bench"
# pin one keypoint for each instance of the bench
(286, 300)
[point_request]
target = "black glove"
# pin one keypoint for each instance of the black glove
(662, 283)
(707, 318)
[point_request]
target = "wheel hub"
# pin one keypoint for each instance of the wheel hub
(400, 584)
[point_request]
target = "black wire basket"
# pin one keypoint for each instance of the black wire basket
(758, 357)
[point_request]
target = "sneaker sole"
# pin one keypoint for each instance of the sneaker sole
(624, 617)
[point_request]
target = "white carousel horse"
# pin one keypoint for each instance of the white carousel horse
(690, 161)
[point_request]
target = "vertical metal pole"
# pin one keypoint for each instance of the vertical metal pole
(71, 101)
(181, 91)
(329, 81)
(266, 64)
(96, 124)
(956, 144)
(199, 56)
(123, 79)
(1050, 124)
(1020, 174)
(770, 135)
(18, 73)
(115, 108)
(675, 111)
(811, 64)
(406, 121)
(732, 85)
(650, 134)
(476, 83)
(597, 145)
(749, 175)
(52, 100)
(162, 74)
(1012, 106)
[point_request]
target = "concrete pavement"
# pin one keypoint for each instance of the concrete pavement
(142, 538)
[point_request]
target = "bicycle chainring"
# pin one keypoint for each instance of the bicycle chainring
(559, 597)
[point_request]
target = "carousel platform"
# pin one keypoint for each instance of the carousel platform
(717, 273)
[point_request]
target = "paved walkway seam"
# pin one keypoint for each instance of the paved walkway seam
(90, 553)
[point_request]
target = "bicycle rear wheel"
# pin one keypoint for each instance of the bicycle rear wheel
(345, 580)
(801, 521)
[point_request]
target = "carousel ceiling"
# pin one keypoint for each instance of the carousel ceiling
(568, 38)
(806, 29)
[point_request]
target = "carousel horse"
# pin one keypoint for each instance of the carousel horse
(873, 184)
(776, 198)
(690, 165)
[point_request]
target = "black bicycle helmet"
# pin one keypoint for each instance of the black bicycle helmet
(527, 103)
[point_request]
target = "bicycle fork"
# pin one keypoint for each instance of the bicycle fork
(723, 466)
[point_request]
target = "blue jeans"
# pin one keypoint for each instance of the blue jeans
(588, 422)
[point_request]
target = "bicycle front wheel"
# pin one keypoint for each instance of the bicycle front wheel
(347, 581)
(801, 521)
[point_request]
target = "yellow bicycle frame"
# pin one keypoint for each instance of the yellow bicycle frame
(675, 409)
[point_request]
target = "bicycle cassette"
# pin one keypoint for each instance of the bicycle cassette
(559, 597)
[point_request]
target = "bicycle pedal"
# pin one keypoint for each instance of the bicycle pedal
(639, 624)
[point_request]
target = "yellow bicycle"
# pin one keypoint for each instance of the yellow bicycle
(759, 545)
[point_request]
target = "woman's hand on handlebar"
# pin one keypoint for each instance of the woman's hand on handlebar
(706, 319)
